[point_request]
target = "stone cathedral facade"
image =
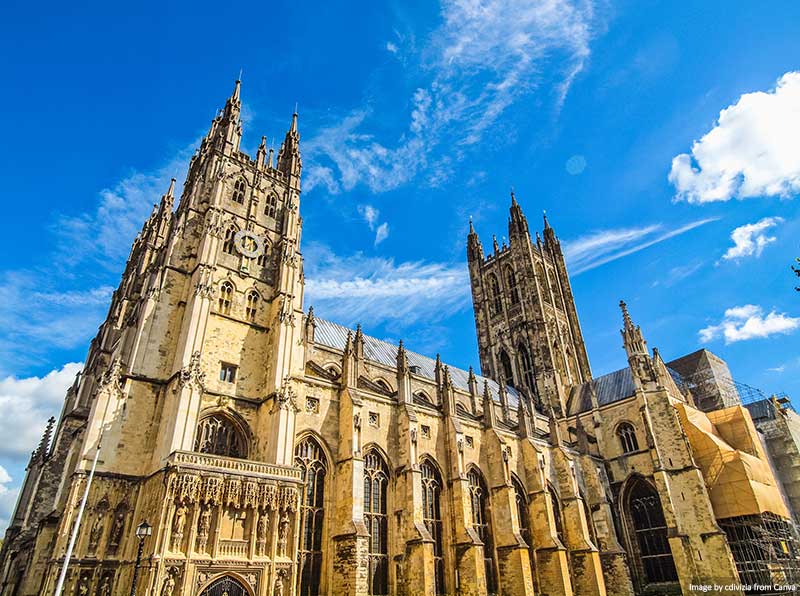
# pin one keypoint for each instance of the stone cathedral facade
(276, 453)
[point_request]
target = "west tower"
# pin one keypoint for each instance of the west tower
(527, 324)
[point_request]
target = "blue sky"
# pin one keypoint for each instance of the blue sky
(415, 116)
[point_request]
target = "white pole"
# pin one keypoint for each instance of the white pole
(76, 526)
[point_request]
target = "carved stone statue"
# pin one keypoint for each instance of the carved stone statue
(169, 585)
(283, 534)
(117, 528)
(278, 591)
(105, 587)
(178, 525)
(261, 531)
(203, 528)
(83, 586)
(96, 532)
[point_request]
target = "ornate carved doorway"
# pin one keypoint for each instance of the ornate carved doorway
(225, 586)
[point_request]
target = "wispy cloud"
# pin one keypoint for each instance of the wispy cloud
(371, 215)
(374, 290)
(741, 323)
(678, 274)
(603, 246)
(751, 239)
(105, 234)
(483, 57)
(382, 233)
(752, 151)
(8, 498)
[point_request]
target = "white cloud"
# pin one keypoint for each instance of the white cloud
(750, 239)
(372, 290)
(391, 47)
(603, 246)
(26, 404)
(106, 234)
(482, 58)
(382, 233)
(752, 151)
(370, 215)
(741, 323)
(8, 498)
(777, 369)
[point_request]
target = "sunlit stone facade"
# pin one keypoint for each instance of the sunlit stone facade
(276, 453)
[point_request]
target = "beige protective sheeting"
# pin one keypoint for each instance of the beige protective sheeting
(736, 470)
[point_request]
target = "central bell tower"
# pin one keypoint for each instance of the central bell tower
(527, 325)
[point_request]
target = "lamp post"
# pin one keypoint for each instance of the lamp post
(143, 530)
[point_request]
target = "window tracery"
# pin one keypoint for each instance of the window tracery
(479, 498)
(376, 480)
(627, 437)
(225, 297)
(217, 435)
(432, 518)
(309, 457)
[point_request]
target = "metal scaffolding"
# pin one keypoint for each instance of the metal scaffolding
(766, 550)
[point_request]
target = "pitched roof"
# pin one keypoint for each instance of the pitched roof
(333, 335)
(614, 386)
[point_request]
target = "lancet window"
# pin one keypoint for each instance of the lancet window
(376, 480)
(309, 457)
(432, 517)
(481, 523)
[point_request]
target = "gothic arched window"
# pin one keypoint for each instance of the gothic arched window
(225, 297)
(512, 286)
(627, 437)
(217, 435)
(432, 518)
(376, 480)
(308, 456)
(521, 498)
(227, 244)
(649, 533)
(508, 371)
(252, 305)
(238, 191)
(481, 523)
(497, 301)
(528, 372)
(556, 513)
(271, 206)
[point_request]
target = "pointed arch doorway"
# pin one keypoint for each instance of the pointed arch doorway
(225, 586)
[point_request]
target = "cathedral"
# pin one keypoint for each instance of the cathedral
(223, 439)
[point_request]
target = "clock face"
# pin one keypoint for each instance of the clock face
(248, 244)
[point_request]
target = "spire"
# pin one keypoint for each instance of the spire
(517, 223)
(489, 415)
(226, 129)
(171, 189)
(626, 317)
(270, 158)
(494, 244)
(262, 153)
(550, 240)
(402, 358)
(632, 337)
(474, 246)
(289, 161)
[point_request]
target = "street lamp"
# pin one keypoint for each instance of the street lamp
(143, 530)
